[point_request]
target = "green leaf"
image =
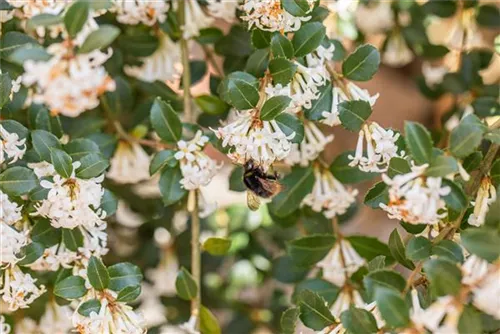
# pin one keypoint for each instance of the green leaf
(73, 239)
(357, 320)
(80, 147)
(129, 294)
(377, 263)
(444, 277)
(289, 124)
(98, 274)
(486, 106)
(440, 8)
(44, 233)
(309, 250)
(44, 142)
(362, 64)
(442, 166)
(236, 44)
(44, 20)
(392, 307)
(281, 46)
(377, 194)
(71, 287)
(488, 16)
(100, 38)
(208, 322)
(17, 181)
(257, 62)
(493, 136)
(353, 114)
(211, 104)
(165, 121)
(495, 173)
(109, 203)
(92, 305)
(241, 90)
(260, 38)
(467, 136)
(297, 185)
(76, 17)
(296, 7)
(236, 179)
(384, 278)
(62, 162)
(398, 166)
(217, 246)
(456, 199)
(325, 289)
(397, 249)
(282, 70)
(185, 285)
(122, 275)
(470, 321)
(170, 187)
(346, 174)
(449, 250)
(209, 35)
(313, 311)
(289, 320)
(162, 160)
(419, 142)
(31, 252)
(418, 248)
(285, 270)
(308, 38)
(273, 107)
(321, 104)
(92, 165)
(369, 247)
(5, 88)
(13, 40)
(482, 242)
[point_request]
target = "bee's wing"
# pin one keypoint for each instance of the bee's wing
(253, 201)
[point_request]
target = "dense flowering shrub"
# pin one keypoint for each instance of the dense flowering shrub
(123, 123)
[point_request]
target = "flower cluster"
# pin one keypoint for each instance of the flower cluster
(269, 15)
(12, 148)
(69, 84)
(309, 149)
(130, 163)
(18, 289)
(10, 212)
(381, 147)
(148, 12)
(252, 138)
(415, 198)
(328, 195)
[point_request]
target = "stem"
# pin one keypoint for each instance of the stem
(338, 79)
(186, 75)
(211, 59)
(196, 259)
(195, 219)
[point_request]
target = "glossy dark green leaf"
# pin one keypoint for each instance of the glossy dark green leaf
(129, 294)
(274, 106)
(161, 160)
(470, 321)
(62, 162)
(448, 249)
(282, 71)
(71, 287)
(241, 90)
(170, 187)
(289, 320)
(493, 136)
(281, 46)
(369, 247)
(357, 320)
(440, 8)
(362, 64)
(482, 242)
(398, 166)
(122, 275)
(92, 305)
(309, 250)
(392, 307)
(260, 38)
(456, 199)
(100, 38)
(290, 124)
(211, 104)
(165, 121)
(257, 63)
(308, 38)
(109, 203)
(488, 16)
(379, 193)
(442, 166)
(353, 114)
(346, 174)
(75, 17)
(313, 311)
(73, 239)
(92, 165)
(31, 252)
(419, 142)
(80, 147)
(44, 233)
(397, 249)
(44, 142)
(418, 248)
(297, 7)
(98, 274)
(321, 104)
(467, 136)
(185, 285)
(444, 277)
(323, 288)
(17, 181)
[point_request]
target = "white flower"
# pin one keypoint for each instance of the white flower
(374, 18)
(4, 327)
(12, 242)
(113, 317)
(195, 19)
(440, 317)
(11, 146)
(458, 32)
(126, 217)
(163, 65)
(474, 269)
(42, 169)
(10, 212)
(268, 15)
(305, 84)
(68, 84)
(251, 138)
(148, 12)
(189, 327)
(312, 145)
(485, 196)
(433, 75)
(380, 148)
(328, 195)
(397, 53)
(151, 307)
(28, 9)
(56, 319)
(320, 56)
(197, 168)
(26, 325)
(54, 258)
(347, 297)
(416, 199)
(486, 296)
(352, 93)
(223, 9)
(18, 289)
(341, 262)
(130, 163)
(72, 202)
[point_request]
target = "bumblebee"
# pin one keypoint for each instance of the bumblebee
(259, 184)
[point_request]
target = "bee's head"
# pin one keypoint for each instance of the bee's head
(249, 164)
